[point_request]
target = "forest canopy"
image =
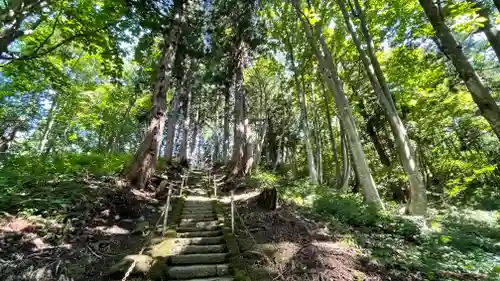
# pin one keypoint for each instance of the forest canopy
(395, 102)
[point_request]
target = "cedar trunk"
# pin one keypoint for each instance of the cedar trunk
(143, 166)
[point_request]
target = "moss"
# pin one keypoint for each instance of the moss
(240, 275)
(171, 233)
(232, 243)
(177, 211)
(158, 270)
(163, 249)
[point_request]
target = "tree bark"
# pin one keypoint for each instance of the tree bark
(332, 79)
(5, 141)
(194, 137)
(313, 175)
(488, 29)
(317, 135)
(225, 141)
(259, 144)
(143, 166)
(51, 117)
(480, 93)
(173, 117)
(183, 153)
(418, 202)
(237, 165)
(344, 180)
(333, 143)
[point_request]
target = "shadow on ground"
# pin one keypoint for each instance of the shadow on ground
(73, 230)
(292, 243)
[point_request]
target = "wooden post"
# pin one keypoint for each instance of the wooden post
(215, 188)
(167, 206)
(232, 211)
(182, 185)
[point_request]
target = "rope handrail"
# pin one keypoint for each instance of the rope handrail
(148, 240)
(163, 215)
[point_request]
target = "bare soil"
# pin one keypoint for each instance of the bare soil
(298, 247)
(80, 242)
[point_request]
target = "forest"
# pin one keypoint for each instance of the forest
(377, 118)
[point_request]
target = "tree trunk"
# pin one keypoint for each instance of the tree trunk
(260, 143)
(248, 156)
(143, 166)
(194, 137)
(294, 162)
(344, 180)
(51, 117)
(173, 117)
(480, 93)
(331, 77)
(225, 141)
(488, 29)
(317, 135)
(183, 153)
(5, 141)
(240, 122)
(333, 143)
(313, 175)
(114, 146)
(418, 202)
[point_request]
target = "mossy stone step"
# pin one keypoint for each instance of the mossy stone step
(202, 240)
(188, 228)
(198, 206)
(209, 233)
(212, 279)
(202, 249)
(193, 223)
(198, 271)
(197, 211)
(189, 220)
(199, 217)
(209, 258)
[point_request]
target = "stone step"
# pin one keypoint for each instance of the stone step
(209, 258)
(200, 210)
(198, 205)
(203, 249)
(202, 240)
(193, 223)
(210, 233)
(191, 228)
(197, 216)
(198, 271)
(203, 203)
(227, 278)
(191, 220)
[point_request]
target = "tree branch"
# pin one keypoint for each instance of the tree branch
(55, 47)
(51, 33)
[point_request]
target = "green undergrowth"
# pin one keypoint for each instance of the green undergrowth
(45, 185)
(450, 239)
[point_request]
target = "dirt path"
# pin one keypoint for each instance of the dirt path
(285, 245)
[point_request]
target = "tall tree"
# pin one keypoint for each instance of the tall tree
(418, 201)
(147, 154)
(330, 74)
(480, 93)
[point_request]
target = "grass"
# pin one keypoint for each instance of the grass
(47, 185)
(449, 241)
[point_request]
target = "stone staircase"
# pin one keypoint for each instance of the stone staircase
(199, 251)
